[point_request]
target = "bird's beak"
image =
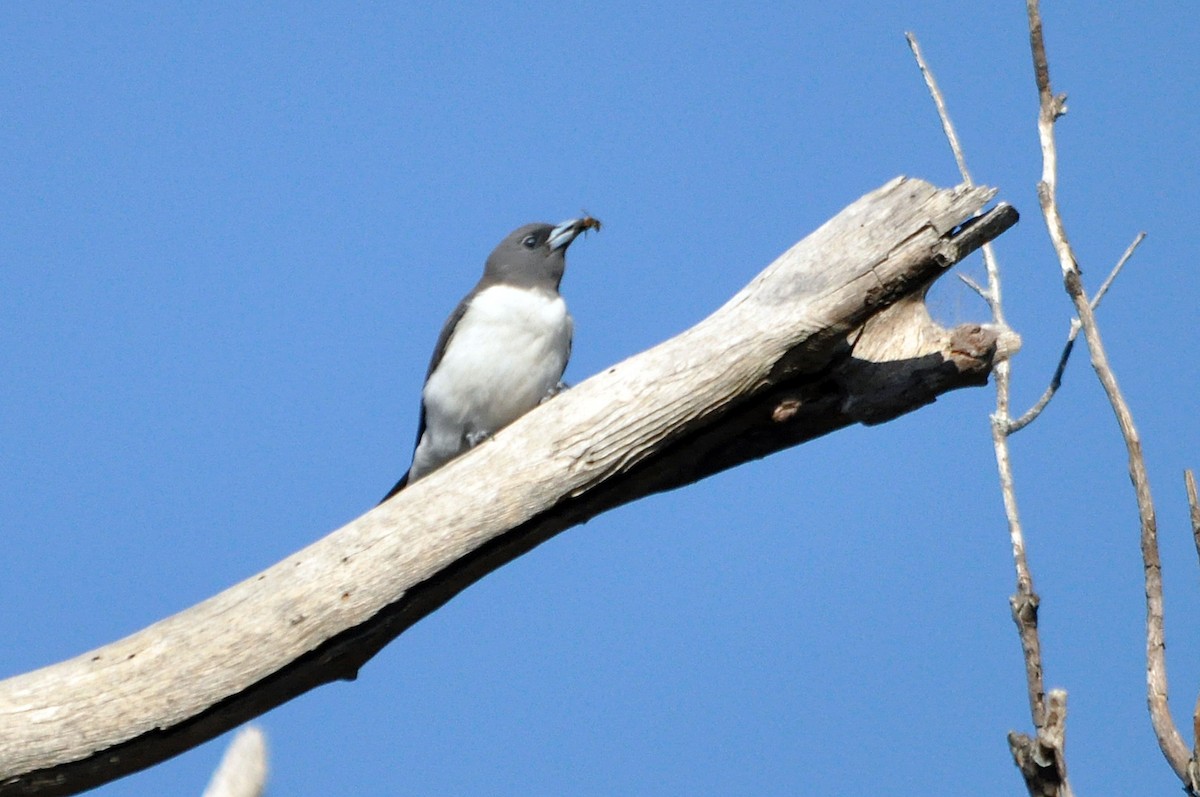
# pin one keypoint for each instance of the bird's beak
(562, 235)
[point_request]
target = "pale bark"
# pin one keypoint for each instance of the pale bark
(243, 768)
(1051, 107)
(1042, 760)
(834, 332)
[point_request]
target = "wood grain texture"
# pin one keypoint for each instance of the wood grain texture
(834, 332)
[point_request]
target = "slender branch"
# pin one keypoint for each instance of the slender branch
(975, 286)
(943, 114)
(1056, 380)
(1169, 739)
(1033, 412)
(992, 294)
(1189, 481)
(1112, 275)
(1050, 108)
(1042, 760)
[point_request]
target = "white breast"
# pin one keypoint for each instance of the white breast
(507, 353)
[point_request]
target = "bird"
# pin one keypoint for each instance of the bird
(502, 351)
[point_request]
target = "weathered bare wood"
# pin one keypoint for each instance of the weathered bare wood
(834, 332)
(1051, 107)
(243, 769)
(1042, 761)
(1031, 755)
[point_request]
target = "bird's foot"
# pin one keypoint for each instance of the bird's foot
(475, 438)
(554, 391)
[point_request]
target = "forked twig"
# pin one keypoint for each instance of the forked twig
(1050, 108)
(1056, 380)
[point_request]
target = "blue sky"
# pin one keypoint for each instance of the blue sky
(229, 236)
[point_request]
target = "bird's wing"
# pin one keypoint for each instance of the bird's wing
(570, 342)
(439, 350)
(443, 341)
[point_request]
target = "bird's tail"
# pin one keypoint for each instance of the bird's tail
(400, 485)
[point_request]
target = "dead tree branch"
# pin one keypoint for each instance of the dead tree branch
(1189, 482)
(1041, 760)
(835, 332)
(1051, 107)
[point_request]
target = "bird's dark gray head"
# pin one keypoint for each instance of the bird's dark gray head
(535, 255)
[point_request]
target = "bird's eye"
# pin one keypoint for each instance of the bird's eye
(529, 242)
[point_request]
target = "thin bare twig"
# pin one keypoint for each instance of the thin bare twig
(1042, 759)
(935, 92)
(1026, 598)
(1056, 380)
(1112, 275)
(975, 286)
(1189, 481)
(1033, 412)
(992, 294)
(1050, 108)
(1025, 602)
